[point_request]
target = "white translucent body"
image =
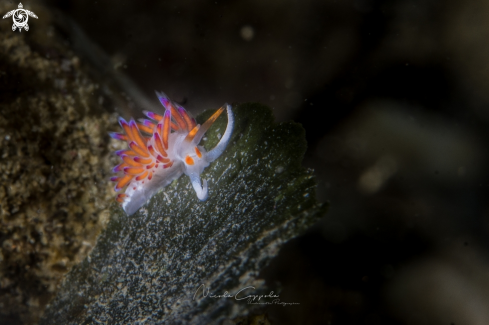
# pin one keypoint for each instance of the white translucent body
(139, 192)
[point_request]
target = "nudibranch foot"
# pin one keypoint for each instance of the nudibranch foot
(161, 149)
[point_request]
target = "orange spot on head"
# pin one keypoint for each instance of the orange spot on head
(197, 151)
(189, 160)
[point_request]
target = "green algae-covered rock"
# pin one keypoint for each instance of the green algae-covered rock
(147, 267)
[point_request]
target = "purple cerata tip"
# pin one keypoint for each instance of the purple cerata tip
(120, 152)
(165, 101)
(116, 135)
(163, 98)
(122, 122)
(132, 123)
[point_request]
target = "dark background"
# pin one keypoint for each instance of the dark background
(393, 97)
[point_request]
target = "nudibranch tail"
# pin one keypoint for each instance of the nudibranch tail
(161, 149)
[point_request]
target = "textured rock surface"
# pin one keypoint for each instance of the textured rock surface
(54, 156)
(146, 267)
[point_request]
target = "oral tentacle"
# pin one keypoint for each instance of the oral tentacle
(201, 191)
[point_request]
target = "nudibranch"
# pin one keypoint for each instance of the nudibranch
(161, 149)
